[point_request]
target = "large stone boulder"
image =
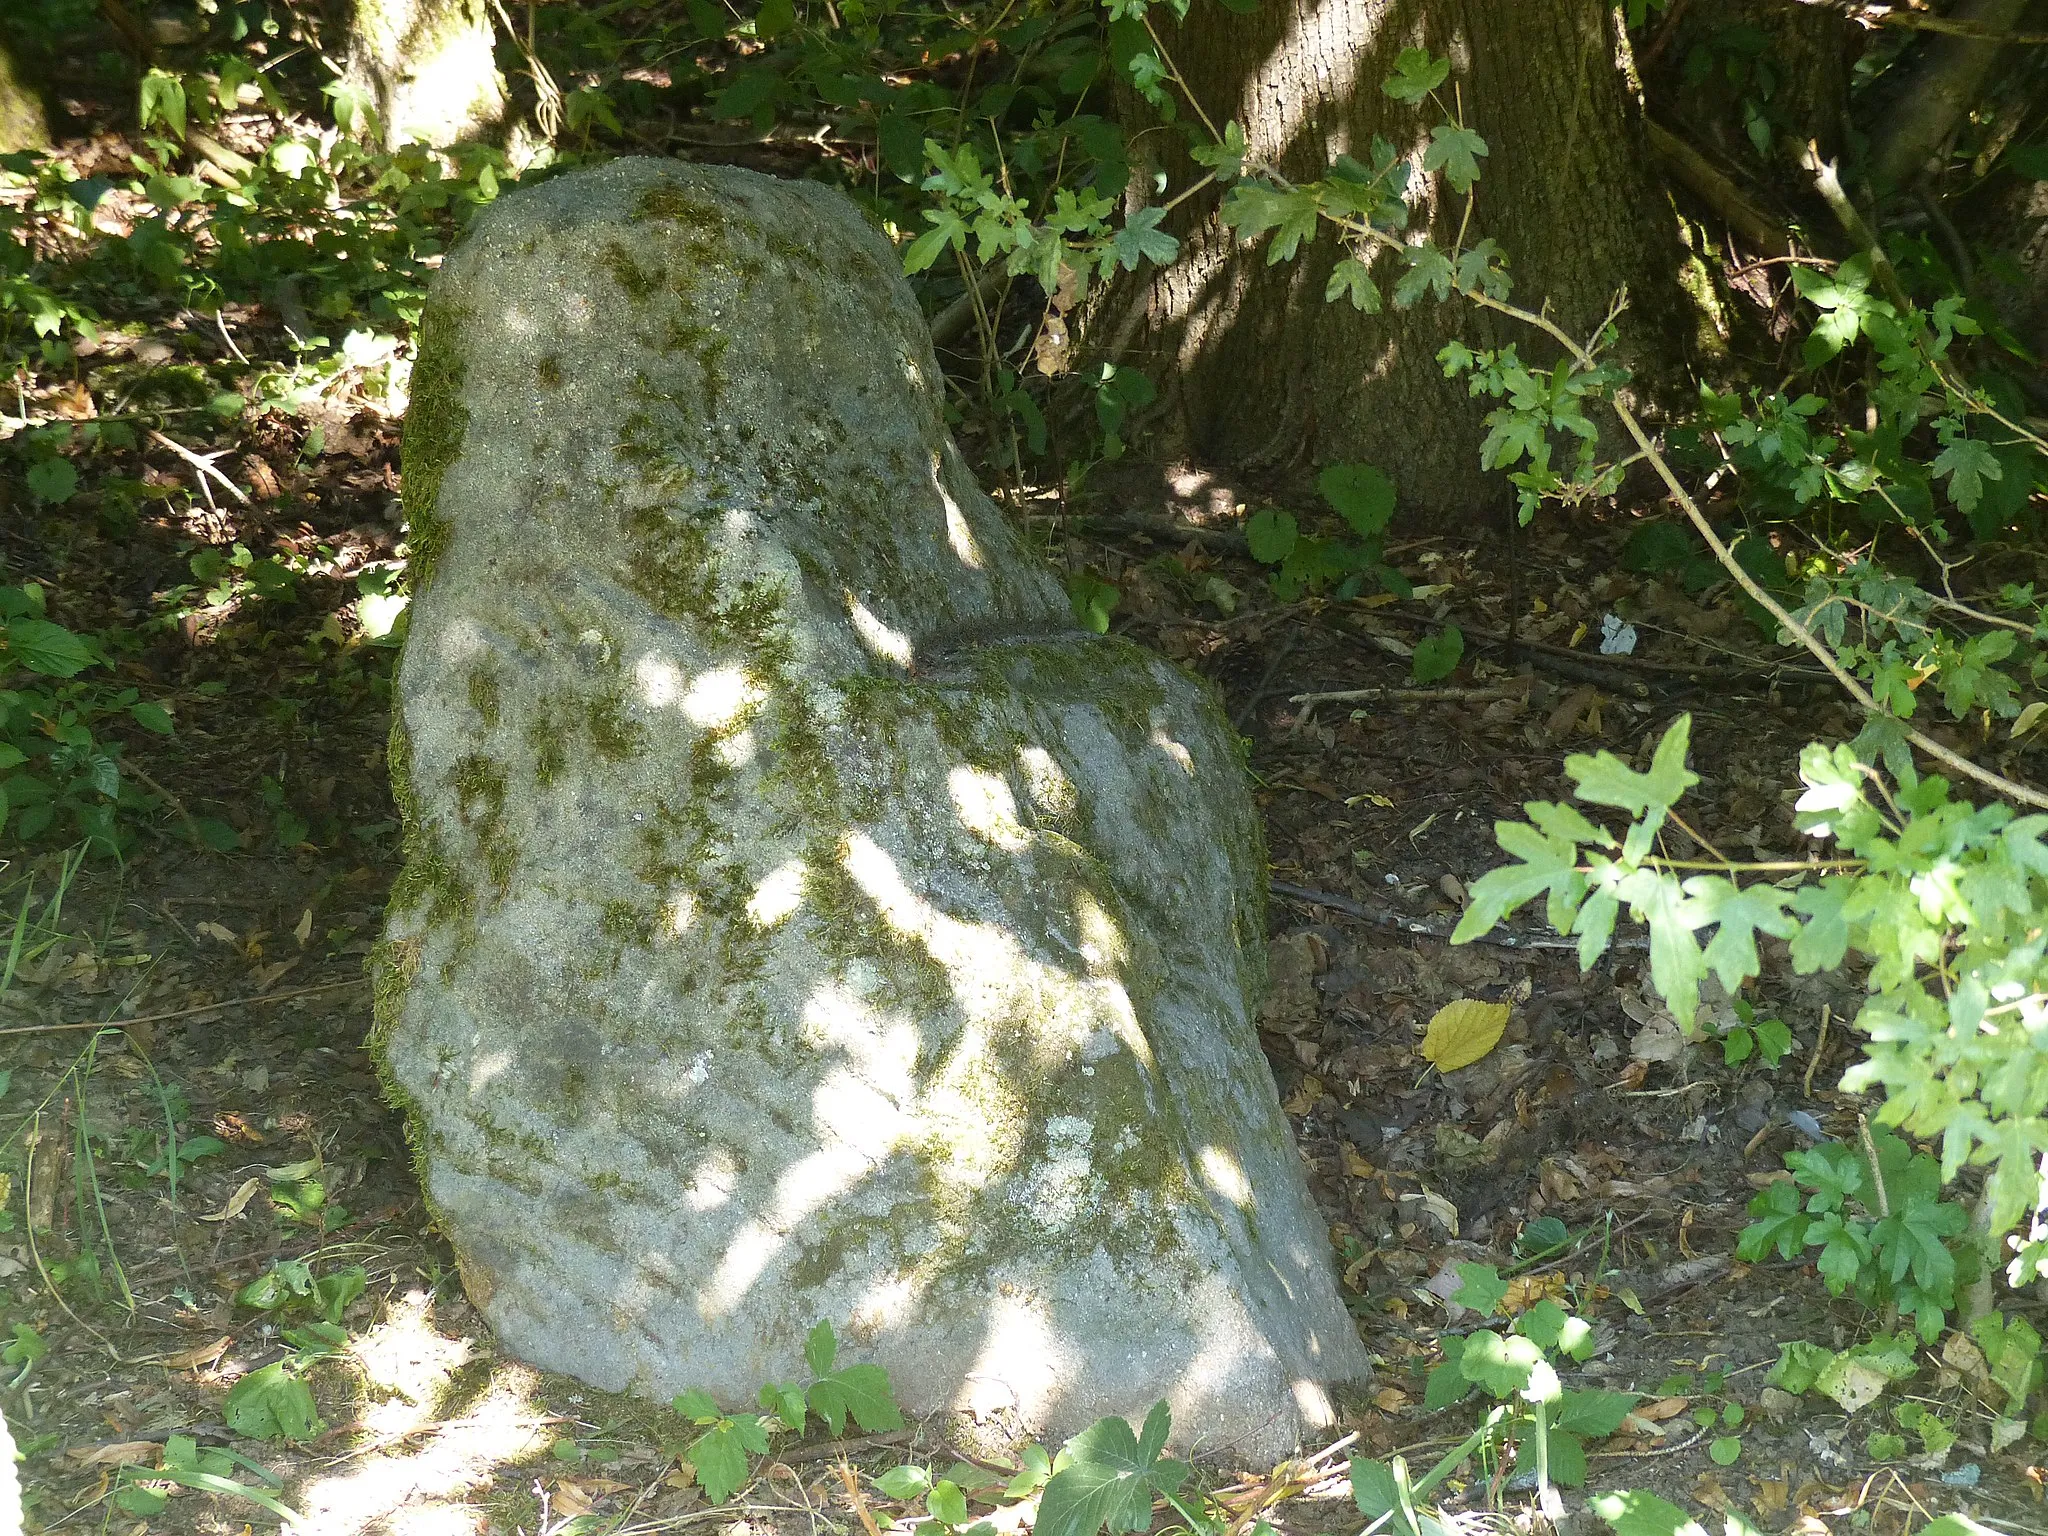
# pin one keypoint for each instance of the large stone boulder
(802, 918)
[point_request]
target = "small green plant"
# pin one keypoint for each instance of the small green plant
(57, 771)
(1877, 1217)
(945, 1496)
(1767, 1039)
(719, 1455)
(140, 1492)
(1364, 498)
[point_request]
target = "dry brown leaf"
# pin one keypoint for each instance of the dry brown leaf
(203, 1354)
(237, 1202)
(216, 931)
(570, 1500)
(126, 1453)
(1662, 1409)
(1463, 1032)
(1390, 1399)
(1304, 1097)
(1355, 1166)
(1771, 1496)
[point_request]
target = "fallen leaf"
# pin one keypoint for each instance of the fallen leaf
(237, 1202)
(1390, 1399)
(305, 929)
(1659, 1040)
(1355, 1166)
(216, 931)
(1662, 1409)
(126, 1453)
(1304, 1097)
(266, 976)
(203, 1354)
(1771, 1496)
(1463, 1032)
(570, 1500)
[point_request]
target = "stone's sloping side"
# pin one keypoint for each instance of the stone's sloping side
(801, 918)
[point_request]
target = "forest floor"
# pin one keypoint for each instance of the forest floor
(238, 979)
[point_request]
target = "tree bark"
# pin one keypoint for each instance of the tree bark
(1265, 372)
(22, 124)
(427, 68)
(1939, 91)
(1791, 60)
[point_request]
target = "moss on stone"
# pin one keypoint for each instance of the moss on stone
(549, 371)
(637, 283)
(484, 693)
(614, 732)
(436, 422)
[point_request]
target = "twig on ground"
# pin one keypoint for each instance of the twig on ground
(203, 463)
(186, 1013)
(825, 1450)
(1386, 917)
(170, 799)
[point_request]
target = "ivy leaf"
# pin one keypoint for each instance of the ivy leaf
(1415, 75)
(1352, 279)
(1455, 151)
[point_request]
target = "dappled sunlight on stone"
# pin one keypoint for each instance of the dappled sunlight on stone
(1183, 759)
(712, 1185)
(1052, 793)
(438, 1520)
(987, 808)
(442, 1462)
(659, 681)
(1022, 1364)
(1224, 1175)
(780, 893)
(720, 697)
(959, 535)
(891, 645)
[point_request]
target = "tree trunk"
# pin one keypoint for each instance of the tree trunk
(22, 125)
(1721, 62)
(427, 69)
(1265, 372)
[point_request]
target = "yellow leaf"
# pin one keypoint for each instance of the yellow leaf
(1463, 1032)
(237, 1202)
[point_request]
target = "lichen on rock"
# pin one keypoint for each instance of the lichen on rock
(802, 918)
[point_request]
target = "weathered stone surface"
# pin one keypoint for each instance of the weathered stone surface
(801, 917)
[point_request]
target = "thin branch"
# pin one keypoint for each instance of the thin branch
(203, 463)
(1996, 782)
(186, 1013)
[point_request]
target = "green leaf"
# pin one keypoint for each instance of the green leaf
(1967, 463)
(905, 1482)
(1227, 158)
(48, 648)
(1501, 1365)
(1446, 1385)
(162, 100)
(1436, 656)
(785, 1402)
(774, 18)
(1644, 1514)
(1480, 1287)
(1373, 1487)
(1361, 495)
(1594, 1413)
(948, 1505)
(52, 480)
(821, 1348)
(1742, 913)
(1725, 1451)
(860, 1390)
(1428, 269)
(1352, 279)
(1605, 779)
(1141, 239)
(152, 717)
(1109, 1478)
(1455, 151)
(271, 1404)
(1271, 535)
(1415, 75)
(695, 1404)
(719, 1455)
